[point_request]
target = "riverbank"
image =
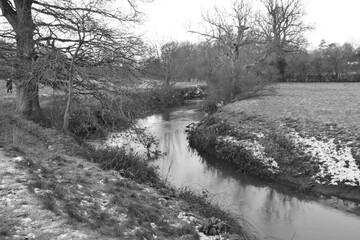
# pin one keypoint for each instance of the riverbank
(305, 136)
(53, 188)
(116, 111)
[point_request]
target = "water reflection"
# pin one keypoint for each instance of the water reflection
(277, 212)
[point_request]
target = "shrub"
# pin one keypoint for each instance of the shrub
(228, 84)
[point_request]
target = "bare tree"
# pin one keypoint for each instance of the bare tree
(232, 34)
(175, 62)
(169, 63)
(79, 31)
(85, 35)
(283, 29)
(230, 29)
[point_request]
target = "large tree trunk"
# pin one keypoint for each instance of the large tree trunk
(28, 102)
(27, 90)
(26, 83)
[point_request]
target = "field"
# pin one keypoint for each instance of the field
(321, 102)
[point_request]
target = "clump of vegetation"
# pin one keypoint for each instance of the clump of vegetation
(129, 164)
(87, 119)
(202, 203)
(214, 128)
(207, 139)
(94, 119)
(290, 157)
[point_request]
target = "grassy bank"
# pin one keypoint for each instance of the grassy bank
(305, 135)
(57, 189)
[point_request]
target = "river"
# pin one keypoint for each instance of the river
(275, 212)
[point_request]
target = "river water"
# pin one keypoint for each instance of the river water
(275, 212)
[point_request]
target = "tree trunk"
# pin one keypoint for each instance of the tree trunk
(233, 81)
(71, 88)
(234, 75)
(27, 90)
(167, 81)
(68, 105)
(28, 102)
(281, 65)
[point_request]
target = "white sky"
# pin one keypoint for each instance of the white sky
(335, 20)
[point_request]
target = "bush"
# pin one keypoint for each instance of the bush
(86, 120)
(250, 82)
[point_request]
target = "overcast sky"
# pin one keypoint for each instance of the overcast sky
(335, 20)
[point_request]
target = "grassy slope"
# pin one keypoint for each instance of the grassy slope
(316, 111)
(52, 193)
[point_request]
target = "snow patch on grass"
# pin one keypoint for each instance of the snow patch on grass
(255, 148)
(336, 163)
